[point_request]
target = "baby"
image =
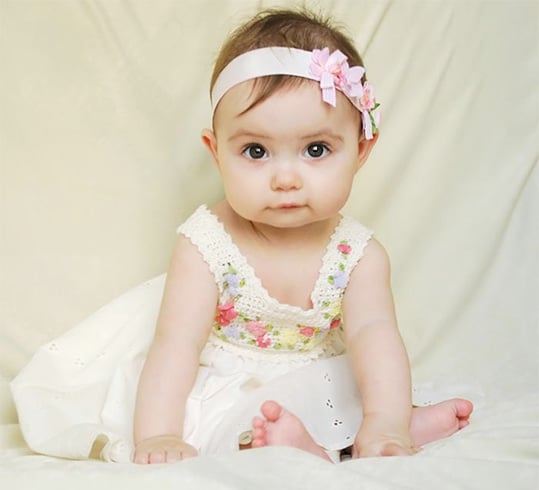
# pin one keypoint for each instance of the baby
(272, 295)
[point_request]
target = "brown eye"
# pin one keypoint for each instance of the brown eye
(317, 150)
(255, 152)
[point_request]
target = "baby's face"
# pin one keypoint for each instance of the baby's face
(290, 160)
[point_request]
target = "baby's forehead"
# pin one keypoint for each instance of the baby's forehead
(293, 103)
(292, 111)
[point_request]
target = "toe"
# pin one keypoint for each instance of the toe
(271, 410)
(464, 408)
(259, 437)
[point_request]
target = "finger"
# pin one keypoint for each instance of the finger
(394, 449)
(157, 456)
(173, 456)
(191, 452)
(140, 457)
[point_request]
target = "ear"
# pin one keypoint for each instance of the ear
(210, 142)
(365, 147)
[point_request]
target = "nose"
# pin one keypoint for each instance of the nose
(285, 177)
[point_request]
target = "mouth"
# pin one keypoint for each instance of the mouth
(288, 205)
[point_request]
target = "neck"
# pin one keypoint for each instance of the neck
(315, 234)
(312, 233)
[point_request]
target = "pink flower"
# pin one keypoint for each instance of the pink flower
(366, 100)
(333, 71)
(226, 313)
(307, 331)
(263, 342)
(351, 81)
(344, 248)
(323, 63)
(335, 323)
(369, 113)
(258, 329)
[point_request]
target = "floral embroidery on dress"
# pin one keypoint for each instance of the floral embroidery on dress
(231, 281)
(339, 278)
(257, 328)
(225, 313)
(307, 331)
(288, 338)
(246, 315)
(233, 325)
(333, 312)
(344, 248)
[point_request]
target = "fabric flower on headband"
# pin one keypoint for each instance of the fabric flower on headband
(333, 72)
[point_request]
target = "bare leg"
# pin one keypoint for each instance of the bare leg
(278, 427)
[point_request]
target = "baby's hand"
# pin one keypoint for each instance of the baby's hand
(370, 442)
(162, 449)
(383, 447)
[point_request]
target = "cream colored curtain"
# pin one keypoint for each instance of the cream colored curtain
(101, 107)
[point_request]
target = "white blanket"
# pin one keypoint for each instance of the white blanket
(101, 105)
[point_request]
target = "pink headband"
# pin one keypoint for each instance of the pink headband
(330, 70)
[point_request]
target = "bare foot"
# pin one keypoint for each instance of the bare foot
(281, 428)
(438, 421)
(278, 427)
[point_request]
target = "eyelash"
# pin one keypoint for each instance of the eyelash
(246, 151)
(254, 146)
(325, 149)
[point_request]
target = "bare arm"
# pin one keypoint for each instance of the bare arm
(378, 358)
(183, 326)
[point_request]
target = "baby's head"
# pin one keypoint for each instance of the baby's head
(292, 39)
(294, 119)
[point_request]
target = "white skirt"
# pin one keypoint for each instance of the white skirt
(81, 387)
(232, 384)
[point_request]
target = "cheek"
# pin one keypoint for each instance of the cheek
(240, 185)
(335, 187)
(337, 177)
(336, 196)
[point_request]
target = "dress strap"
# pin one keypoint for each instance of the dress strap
(205, 231)
(225, 261)
(345, 248)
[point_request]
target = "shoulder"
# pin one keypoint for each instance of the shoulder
(190, 294)
(375, 251)
(202, 234)
(189, 279)
(368, 294)
(353, 239)
(374, 265)
(200, 218)
(187, 261)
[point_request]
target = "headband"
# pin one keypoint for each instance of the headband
(330, 70)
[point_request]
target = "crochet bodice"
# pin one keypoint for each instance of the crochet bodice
(246, 314)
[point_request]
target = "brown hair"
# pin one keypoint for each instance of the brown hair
(300, 29)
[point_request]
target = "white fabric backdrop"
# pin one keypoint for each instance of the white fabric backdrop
(101, 106)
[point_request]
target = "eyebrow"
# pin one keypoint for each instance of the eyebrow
(323, 134)
(318, 135)
(247, 134)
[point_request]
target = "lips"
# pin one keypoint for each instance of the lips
(288, 205)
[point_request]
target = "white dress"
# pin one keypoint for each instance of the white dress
(81, 386)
